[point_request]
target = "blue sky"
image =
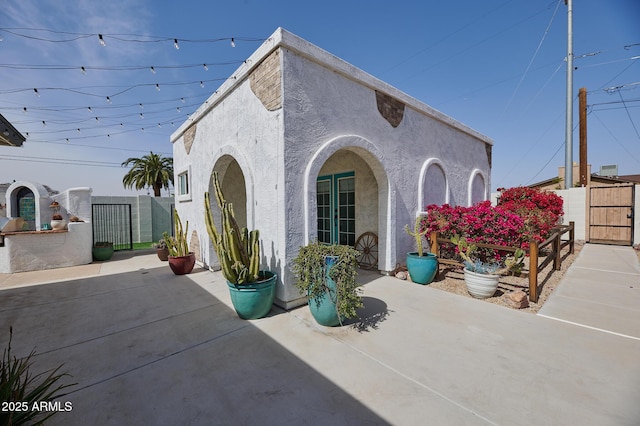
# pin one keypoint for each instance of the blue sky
(496, 65)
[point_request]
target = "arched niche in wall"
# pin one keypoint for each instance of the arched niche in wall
(29, 200)
(434, 185)
(477, 187)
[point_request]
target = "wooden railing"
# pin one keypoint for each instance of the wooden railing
(555, 254)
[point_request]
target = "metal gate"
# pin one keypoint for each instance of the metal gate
(611, 214)
(112, 223)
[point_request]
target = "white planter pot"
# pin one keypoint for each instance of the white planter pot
(58, 224)
(481, 286)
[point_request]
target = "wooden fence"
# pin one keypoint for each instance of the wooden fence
(555, 242)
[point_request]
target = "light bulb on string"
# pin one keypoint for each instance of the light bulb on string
(157, 87)
(182, 99)
(67, 140)
(78, 130)
(36, 92)
(153, 70)
(159, 125)
(141, 107)
(141, 116)
(175, 44)
(24, 110)
(101, 40)
(97, 119)
(84, 70)
(44, 124)
(206, 68)
(202, 84)
(178, 108)
(233, 42)
(108, 100)
(89, 108)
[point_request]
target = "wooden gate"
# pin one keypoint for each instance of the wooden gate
(611, 214)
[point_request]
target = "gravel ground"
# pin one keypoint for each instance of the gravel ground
(452, 280)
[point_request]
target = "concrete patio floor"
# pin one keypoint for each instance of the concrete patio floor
(148, 347)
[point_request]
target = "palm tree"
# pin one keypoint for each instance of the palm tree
(151, 170)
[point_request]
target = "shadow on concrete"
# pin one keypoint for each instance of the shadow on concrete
(370, 315)
(149, 347)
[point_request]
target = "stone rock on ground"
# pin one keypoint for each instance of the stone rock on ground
(517, 299)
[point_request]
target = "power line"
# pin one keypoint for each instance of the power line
(615, 138)
(59, 161)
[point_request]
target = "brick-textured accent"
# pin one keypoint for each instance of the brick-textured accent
(189, 137)
(265, 81)
(391, 109)
(194, 245)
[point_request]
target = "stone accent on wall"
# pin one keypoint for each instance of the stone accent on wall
(390, 108)
(488, 148)
(266, 82)
(189, 137)
(194, 245)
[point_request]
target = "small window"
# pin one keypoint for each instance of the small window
(182, 186)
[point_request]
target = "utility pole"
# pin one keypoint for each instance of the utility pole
(582, 115)
(568, 156)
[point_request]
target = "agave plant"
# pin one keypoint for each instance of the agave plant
(18, 385)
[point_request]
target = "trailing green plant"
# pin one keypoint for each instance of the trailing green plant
(419, 232)
(309, 267)
(238, 250)
(178, 245)
(20, 386)
(467, 250)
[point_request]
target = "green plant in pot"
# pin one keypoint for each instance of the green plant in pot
(422, 266)
(327, 275)
(252, 290)
(482, 270)
(181, 260)
(162, 250)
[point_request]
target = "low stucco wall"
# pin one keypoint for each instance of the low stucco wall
(33, 251)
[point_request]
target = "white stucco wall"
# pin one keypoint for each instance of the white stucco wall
(46, 250)
(574, 204)
(327, 107)
(238, 128)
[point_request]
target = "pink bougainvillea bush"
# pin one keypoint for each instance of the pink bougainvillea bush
(541, 210)
(522, 215)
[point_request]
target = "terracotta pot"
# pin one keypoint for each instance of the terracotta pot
(163, 254)
(181, 265)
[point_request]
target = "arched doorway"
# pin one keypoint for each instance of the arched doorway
(347, 194)
(234, 187)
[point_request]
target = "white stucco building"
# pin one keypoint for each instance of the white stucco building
(310, 147)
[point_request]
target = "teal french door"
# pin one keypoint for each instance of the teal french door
(336, 196)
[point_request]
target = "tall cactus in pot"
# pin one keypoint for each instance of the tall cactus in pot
(238, 250)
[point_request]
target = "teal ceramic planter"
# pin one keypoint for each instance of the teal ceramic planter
(323, 308)
(254, 300)
(102, 251)
(422, 269)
